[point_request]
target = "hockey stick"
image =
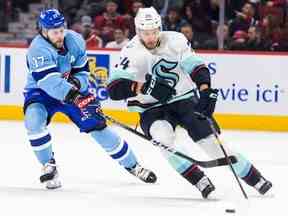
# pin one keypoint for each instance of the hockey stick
(215, 133)
(205, 164)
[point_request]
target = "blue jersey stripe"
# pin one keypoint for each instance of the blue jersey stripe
(40, 75)
(77, 70)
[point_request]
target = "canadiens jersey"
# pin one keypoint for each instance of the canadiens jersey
(47, 66)
(173, 60)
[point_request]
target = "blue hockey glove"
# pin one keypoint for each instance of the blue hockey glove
(207, 101)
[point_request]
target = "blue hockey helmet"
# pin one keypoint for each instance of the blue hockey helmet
(50, 19)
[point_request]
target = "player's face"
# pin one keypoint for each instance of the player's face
(149, 38)
(56, 36)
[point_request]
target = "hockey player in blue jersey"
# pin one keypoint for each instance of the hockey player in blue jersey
(58, 82)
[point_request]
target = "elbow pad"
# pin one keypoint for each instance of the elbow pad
(201, 75)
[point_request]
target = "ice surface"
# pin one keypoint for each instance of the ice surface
(94, 184)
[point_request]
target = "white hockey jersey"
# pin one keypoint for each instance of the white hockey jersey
(173, 60)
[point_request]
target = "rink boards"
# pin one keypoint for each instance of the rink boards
(253, 90)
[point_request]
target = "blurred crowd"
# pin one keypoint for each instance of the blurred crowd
(257, 25)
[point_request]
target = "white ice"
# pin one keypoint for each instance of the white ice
(94, 184)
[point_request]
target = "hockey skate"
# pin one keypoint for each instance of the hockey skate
(143, 174)
(205, 186)
(263, 185)
(197, 178)
(50, 175)
(256, 180)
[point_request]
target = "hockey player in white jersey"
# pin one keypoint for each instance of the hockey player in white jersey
(58, 82)
(159, 76)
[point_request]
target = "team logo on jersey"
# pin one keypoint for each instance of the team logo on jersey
(164, 70)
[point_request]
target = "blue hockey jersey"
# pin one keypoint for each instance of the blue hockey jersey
(48, 66)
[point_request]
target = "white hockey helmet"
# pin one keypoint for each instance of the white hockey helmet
(147, 19)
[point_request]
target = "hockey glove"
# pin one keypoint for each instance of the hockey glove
(72, 80)
(207, 101)
(90, 111)
(158, 88)
(74, 97)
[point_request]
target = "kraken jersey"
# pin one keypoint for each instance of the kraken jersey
(172, 60)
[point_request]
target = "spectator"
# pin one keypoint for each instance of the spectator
(93, 8)
(244, 19)
(135, 7)
(108, 21)
(120, 40)
(195, 14)
(92, 40)
(230, 7)
(173, 20)
(267, 19)
(163, 5)
(69, 8)
(271, 32)
(284, 42)
(129, 18)
(188, 32)
(213, 43)
(213, 10)
(239, 40)
(273, 7)
(254, 41)
(274, 3)
(124, 6)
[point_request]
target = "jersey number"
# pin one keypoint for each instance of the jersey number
(38, 61)
(124, 63)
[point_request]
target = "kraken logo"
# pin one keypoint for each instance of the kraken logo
(164, 69)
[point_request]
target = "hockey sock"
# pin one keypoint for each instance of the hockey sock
(189, 171)
(253, 176)
(242, 167)
(179, 164)
(39, 137)
(116, 147)
(193, 174)
(41, 145)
